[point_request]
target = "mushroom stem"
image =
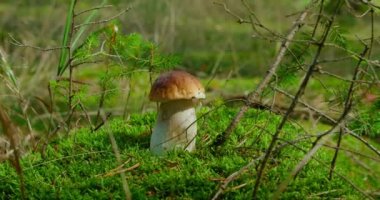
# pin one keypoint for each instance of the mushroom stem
(175, 127)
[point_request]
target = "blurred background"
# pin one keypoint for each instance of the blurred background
(228, 56)
(207, 38)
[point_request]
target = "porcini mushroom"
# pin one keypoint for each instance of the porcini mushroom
(178, 93)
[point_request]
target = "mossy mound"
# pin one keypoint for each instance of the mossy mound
(81, 166)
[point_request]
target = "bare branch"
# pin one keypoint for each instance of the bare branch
(294, 102)
(20, 44)
(94, 8)
(234, 176)
(369, 3)
(253, 20)
(239, 19)
(336, 173)
(254, 96)
(87, 62)
(102, 21)
(333, 161)
(347, 130)
(309, 155)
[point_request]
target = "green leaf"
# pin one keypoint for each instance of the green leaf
(66, 40)
(85, 50)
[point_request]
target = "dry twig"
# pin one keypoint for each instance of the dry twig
(254, 96)
(293, 104)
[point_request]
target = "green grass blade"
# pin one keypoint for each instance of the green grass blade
(65, 41)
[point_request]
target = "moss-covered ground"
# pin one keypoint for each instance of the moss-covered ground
(82, 165)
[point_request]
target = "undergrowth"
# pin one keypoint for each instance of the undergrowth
(83, 166)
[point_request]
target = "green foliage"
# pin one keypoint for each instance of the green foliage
(76, 167)
(336, 36)
(288, 74)
(297, 55)
(131, 52)
(122, 55)
(367, 122)
(331, 5)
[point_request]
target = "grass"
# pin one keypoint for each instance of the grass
(81, 165)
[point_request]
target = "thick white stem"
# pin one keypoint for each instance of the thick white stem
(175, 127)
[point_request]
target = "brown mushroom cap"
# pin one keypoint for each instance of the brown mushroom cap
(176, 85)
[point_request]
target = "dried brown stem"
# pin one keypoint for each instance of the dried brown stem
(115, 149)
(86, 115)
(103, 122)
(13, 134)
(71, 69)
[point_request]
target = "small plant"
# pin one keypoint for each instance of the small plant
(118, 57)
(367, 121)
(114, 54)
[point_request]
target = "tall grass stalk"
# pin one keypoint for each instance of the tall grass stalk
(62, 65)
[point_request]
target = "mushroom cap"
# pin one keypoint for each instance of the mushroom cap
(176, 85)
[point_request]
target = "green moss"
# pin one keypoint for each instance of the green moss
(76, 167)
